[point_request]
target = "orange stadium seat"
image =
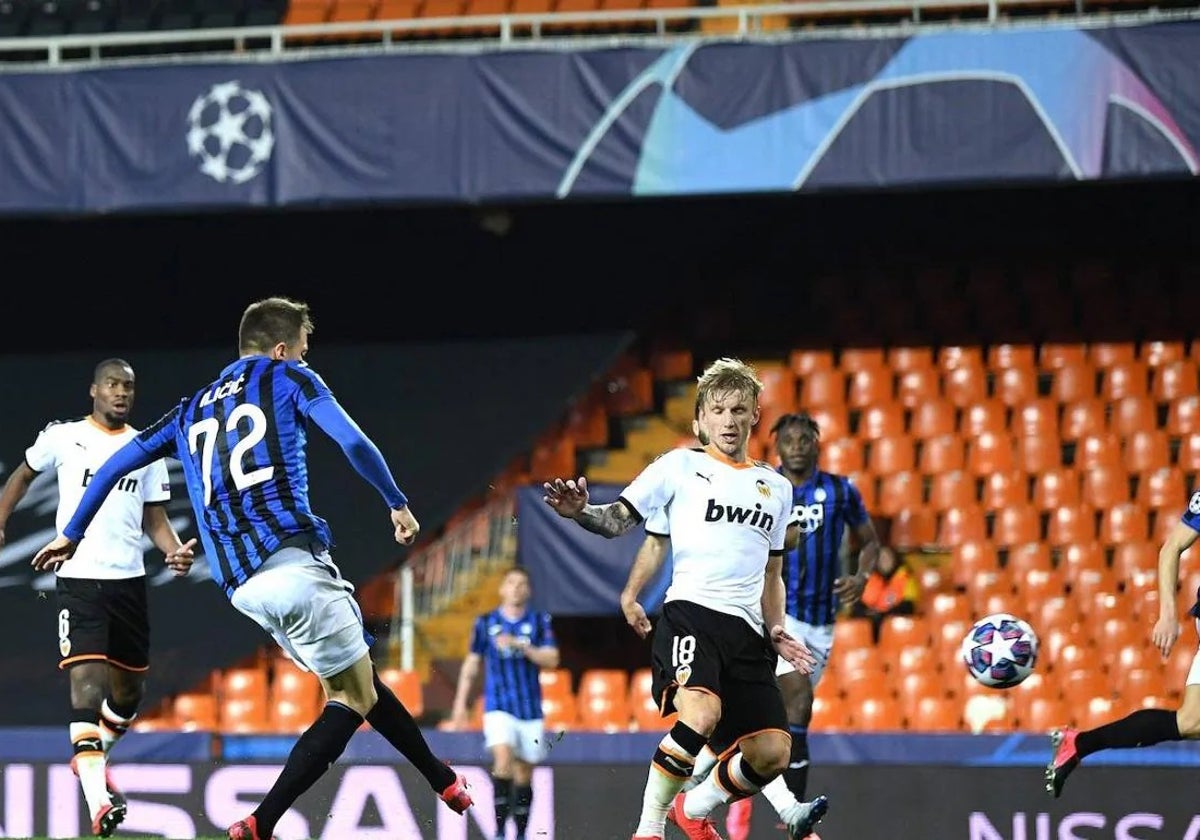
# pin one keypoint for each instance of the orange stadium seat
(889, 455)
(1044, 714)
(1092, 451)
(867, 487)
(939, 417)
(916, 386)
(1015, 386)
(1174, 380)
(552, 458)
(852, 633)
(842, 456)
(1160, 488)
(965, 385)
(1160, 353)
(881, 421)
(1105, 354)
(941, 454)
(561, 714)
(195, 711)
(936, 714)
(990, 452)
(948, 608)
(898, 491)
(901, 359)
(1129, 558)
(878, 715)
(605, 681)
(670, 364)
(956, 357)
(898, 631)
(833, 421)
(1088, 582)
(1125, 522)
(853, 359)
(1062, 612)
(804, 362)
(870, 386)
(1056, 487)
(1082, 417)
(350, 10)
(1073, 382)
(1104, 486)
(406, 685)
(604, 712)
(307, 11)
(983, 417)
(1034, 585)
(1133, 413)
(1005, 356)
(1037, 453)
(972, 556)
(1005, 489)
(555, 681)
(951, 489)
(823, 387)
(828, 713)
(1028, 555)
(1125, 379)
(959, 525)
(1052, 356)
(1038, 416)
(1073, 524)
(914, 528)
(1147, 451)
(1188, 458)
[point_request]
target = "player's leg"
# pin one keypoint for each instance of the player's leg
(522, 787)
(393, 721)
(128, 663)
(686, 663)
(83, 648)
(500, 737)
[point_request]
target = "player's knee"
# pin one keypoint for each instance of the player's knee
(769, 754)
(86, 693)
(1188, 720)
(127, 694)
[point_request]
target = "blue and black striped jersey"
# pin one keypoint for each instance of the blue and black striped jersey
(511, 682)
(823, 507)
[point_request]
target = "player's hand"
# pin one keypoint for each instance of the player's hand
(179, 561)
(635, 616)
(504, 641)
(406, 525)
(1165, 634)
(794, 651)
(849, 588)
(57, 552)
(566, 497)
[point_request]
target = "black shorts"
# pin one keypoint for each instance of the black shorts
(104, 620)
(701, 648)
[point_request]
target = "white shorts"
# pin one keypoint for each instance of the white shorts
(526, 737)
(818, 637)
(302, 600)
(1193, 677)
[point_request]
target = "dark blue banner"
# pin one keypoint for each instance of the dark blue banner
(576, 572)
(697, 117)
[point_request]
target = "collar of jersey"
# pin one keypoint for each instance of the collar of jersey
(92, 421)
(713, 452)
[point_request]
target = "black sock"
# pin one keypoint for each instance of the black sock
(502, 797)
(1140, 729)
(524, 796)
(391, 720)
(796, 775)
(317, 748)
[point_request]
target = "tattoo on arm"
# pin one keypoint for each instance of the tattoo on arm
(611, 520)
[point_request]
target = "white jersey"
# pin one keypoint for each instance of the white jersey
(724, 519)
(112, 545)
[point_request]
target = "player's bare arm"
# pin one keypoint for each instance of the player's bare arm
(462, 694)
(157, 525)
(773, 602)
(793, 537)
(543, 657)
(14, 490)
(849, 588)
(1166, 629)
(570, 500)
(649, 560)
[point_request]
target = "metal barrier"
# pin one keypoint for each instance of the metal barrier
(526, 30)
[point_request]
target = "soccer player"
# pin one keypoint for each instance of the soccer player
(513, 644)
(1145, 726)
(241, 440)
(714, 649)
(103, 621)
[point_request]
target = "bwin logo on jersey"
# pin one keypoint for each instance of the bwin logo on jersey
(809, 517)
(755, 518)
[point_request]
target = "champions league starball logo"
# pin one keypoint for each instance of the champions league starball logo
(229, 130)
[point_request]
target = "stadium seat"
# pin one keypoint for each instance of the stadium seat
(959, 525)
(990, 452)
(1156, 354)
(889, 455)
(870, 386)
(406, 685)
(804, 362)
(1056, 487)
(1005, 489)
(1016, 525)
(1034, 585)
(1073, 382)
(828, 713)
(832, 421)
(1125, 379)
(670, 364)
(1028, 555)
(936, 714)
(778, 396)
(914, 528)
(1073, 524)
(970, 557)
(1125, 522)
(628, 391)
(553, 457)
(823, 387)
(1037, 416)
(957, 357)
(1174, 380)
(1133, 414)
(1188, 457)
(644, 706)
(941, 453)
(556, 681)
(885, 420)
(1105, 354)
(867, 487)
(898, 491)
(983, 587)
(1092, 711)
(561, 714)
(1092, 451)
(951, 489)
(604, 712)
(1082, 417)
(947, 608)
(1015, 386)
(587, 424)
(1088, 582)
(296, 697)
(1104, 486)
(1005, 356)
(899, 631)
(852, 633)
(842, 456)
(1052, 355)
(195, 711)
(603, 681)
(964, 386)
(1135, 683)
(939, 417)
(1146, 451)
(853, 359)
(1034, 454)
(1043, 714)
(916, 386)
(877, 715)
(903, 359)
(1062, 612)
(983, 417)
(1129, 558)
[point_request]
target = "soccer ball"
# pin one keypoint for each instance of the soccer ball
(1000, 650)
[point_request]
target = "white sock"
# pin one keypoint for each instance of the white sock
(662, 786)
(781, 798)
(112, 726)
(89, 765)
(707, 795)
(705, 762)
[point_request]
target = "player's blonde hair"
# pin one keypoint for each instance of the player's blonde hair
(724, 376)
(270, 321)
